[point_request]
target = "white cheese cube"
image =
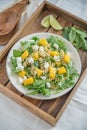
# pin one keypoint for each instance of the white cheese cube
(41, 48)
(30, 60)
(57, 58)
(48, 85)
(20, 67)
(46, 65)
(43, 77)
(20, 80)
(35, 47)
(18, 59)
(56, 45)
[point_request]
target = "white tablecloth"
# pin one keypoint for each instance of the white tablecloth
(15, 117)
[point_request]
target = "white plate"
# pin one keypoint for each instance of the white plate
(14, 78)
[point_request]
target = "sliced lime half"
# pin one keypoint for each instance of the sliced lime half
(54, 23)
(46, 21)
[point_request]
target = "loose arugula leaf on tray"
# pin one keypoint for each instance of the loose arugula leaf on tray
(76, 36)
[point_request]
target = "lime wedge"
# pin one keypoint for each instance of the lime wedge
(46, 21)
(54, 23)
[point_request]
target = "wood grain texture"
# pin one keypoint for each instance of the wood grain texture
(11, 87)
(56, 104)
(49, 110)
(3, 74)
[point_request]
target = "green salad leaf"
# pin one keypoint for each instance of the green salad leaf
(35, 38)
(14, 65)
(76, 36)
(17, 53)
(52, 40)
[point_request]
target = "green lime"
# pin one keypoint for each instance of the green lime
(54, 23)
(46, 21)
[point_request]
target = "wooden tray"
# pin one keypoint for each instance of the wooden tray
(49, 110)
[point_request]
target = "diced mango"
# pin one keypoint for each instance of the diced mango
(39, 72)
(52, 73)
(53, 53)
(22, 73)
(62, 70)
(36, 56)
(43, 42)
(28, 81)
(67, 58)
(25, 54)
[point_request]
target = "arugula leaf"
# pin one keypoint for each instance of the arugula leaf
(17, 53)
(66, 31)
(35, 38)
(76, 36)
(25, 45)
(72, 35)
(52, 40)
(14, 62)
(80, 32)
(14, 65)
(39, 87)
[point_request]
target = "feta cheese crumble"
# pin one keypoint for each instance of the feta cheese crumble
(48, 85)
(20, 80)
(56, 45)
(30, 60)
(43, 77)
(57, 58)
(41, 48)
(35, 47)
(46, 65)
(20, 67)
(19, 59)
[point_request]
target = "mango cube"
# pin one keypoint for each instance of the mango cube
(39, 72)
(43, 42)
(62, 70)
(67, 58)
(36, 56)
(28, 81)
(53, 53)
(25, 54)
(22, 73)
(52, 73)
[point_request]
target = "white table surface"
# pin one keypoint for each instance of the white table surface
(15, 117)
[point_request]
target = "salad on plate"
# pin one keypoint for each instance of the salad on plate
(43, 65)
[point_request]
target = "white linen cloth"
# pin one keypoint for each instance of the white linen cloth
(15, 117)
